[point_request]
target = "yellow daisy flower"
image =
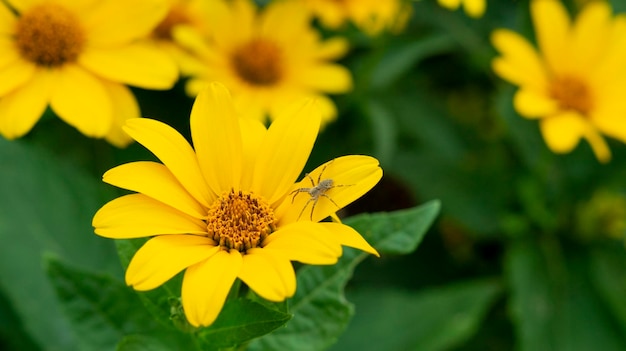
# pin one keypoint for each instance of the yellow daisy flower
(575, 84)
(231, 208)
(370, 16)
(473, 8)
(268, 59)
(76, 57)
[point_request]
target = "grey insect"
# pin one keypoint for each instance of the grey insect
(316, 191)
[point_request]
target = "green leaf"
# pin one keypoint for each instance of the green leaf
(101, 309)
(402, 56)
(321, 312)
(46, 206)
(608, 273)
(240, 321)
(552, 303)
(432, 319)
(164, 341)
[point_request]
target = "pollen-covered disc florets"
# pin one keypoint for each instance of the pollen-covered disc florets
(49, 35)
(240, 220)
(572, 94)
(258, 62)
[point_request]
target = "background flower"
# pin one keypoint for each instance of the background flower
(268, 59)
(370, 16)
(77, 58)
(575, 83)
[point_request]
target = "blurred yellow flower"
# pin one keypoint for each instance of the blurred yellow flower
(576, 84)
(76, 58)
(370, 16)
(230, 209)
(268, 59)
(473, 8)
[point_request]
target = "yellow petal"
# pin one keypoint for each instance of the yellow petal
(7, 21)
(590, 34)
(252, 135)
(343, 180)
(22, 108)
(612, 61)
(162, 257)
(175, 153)
(347, 236)
(532, 104)
(284, 151)
(137, 215)
(206, 286)
(125, 106)
(332, 48)
(271, 277)
(329, 78)
(552, 26)
(156, 181)
(14, 73)
(562, 132)
(114, 22)
(137, 64)
(283, 21)
(80, 99)
(217, 138)
(520, 64)
(305, 242)
(475, 8)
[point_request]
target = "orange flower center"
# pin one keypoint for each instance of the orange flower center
(174, 17)
(572, 94)
(258, 62)
(240, 221)
(49, 35)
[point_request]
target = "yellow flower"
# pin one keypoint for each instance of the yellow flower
(473, 8)
(76, 58)
(370, 16)
(268, 59)
(576, 84)
(193, 15)
(230, 209)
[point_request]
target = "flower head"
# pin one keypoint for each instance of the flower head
(230, 207)
(576, 82)
(370, 16)
(76, 57)
(473, 8)
(268, 59)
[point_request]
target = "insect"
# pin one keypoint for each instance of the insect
(316, 191)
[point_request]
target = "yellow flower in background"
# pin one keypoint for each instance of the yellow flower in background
(575, 85)
(473, 8)
(194, 15)
(230, 207)
(370, 16)
(76, 57)
(268, 59)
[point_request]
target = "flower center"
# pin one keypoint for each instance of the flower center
(240, 220)
(174, 17)
(572, 94)
(258, 62)
(49, 35)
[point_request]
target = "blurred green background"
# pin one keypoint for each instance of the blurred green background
(527, 252)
